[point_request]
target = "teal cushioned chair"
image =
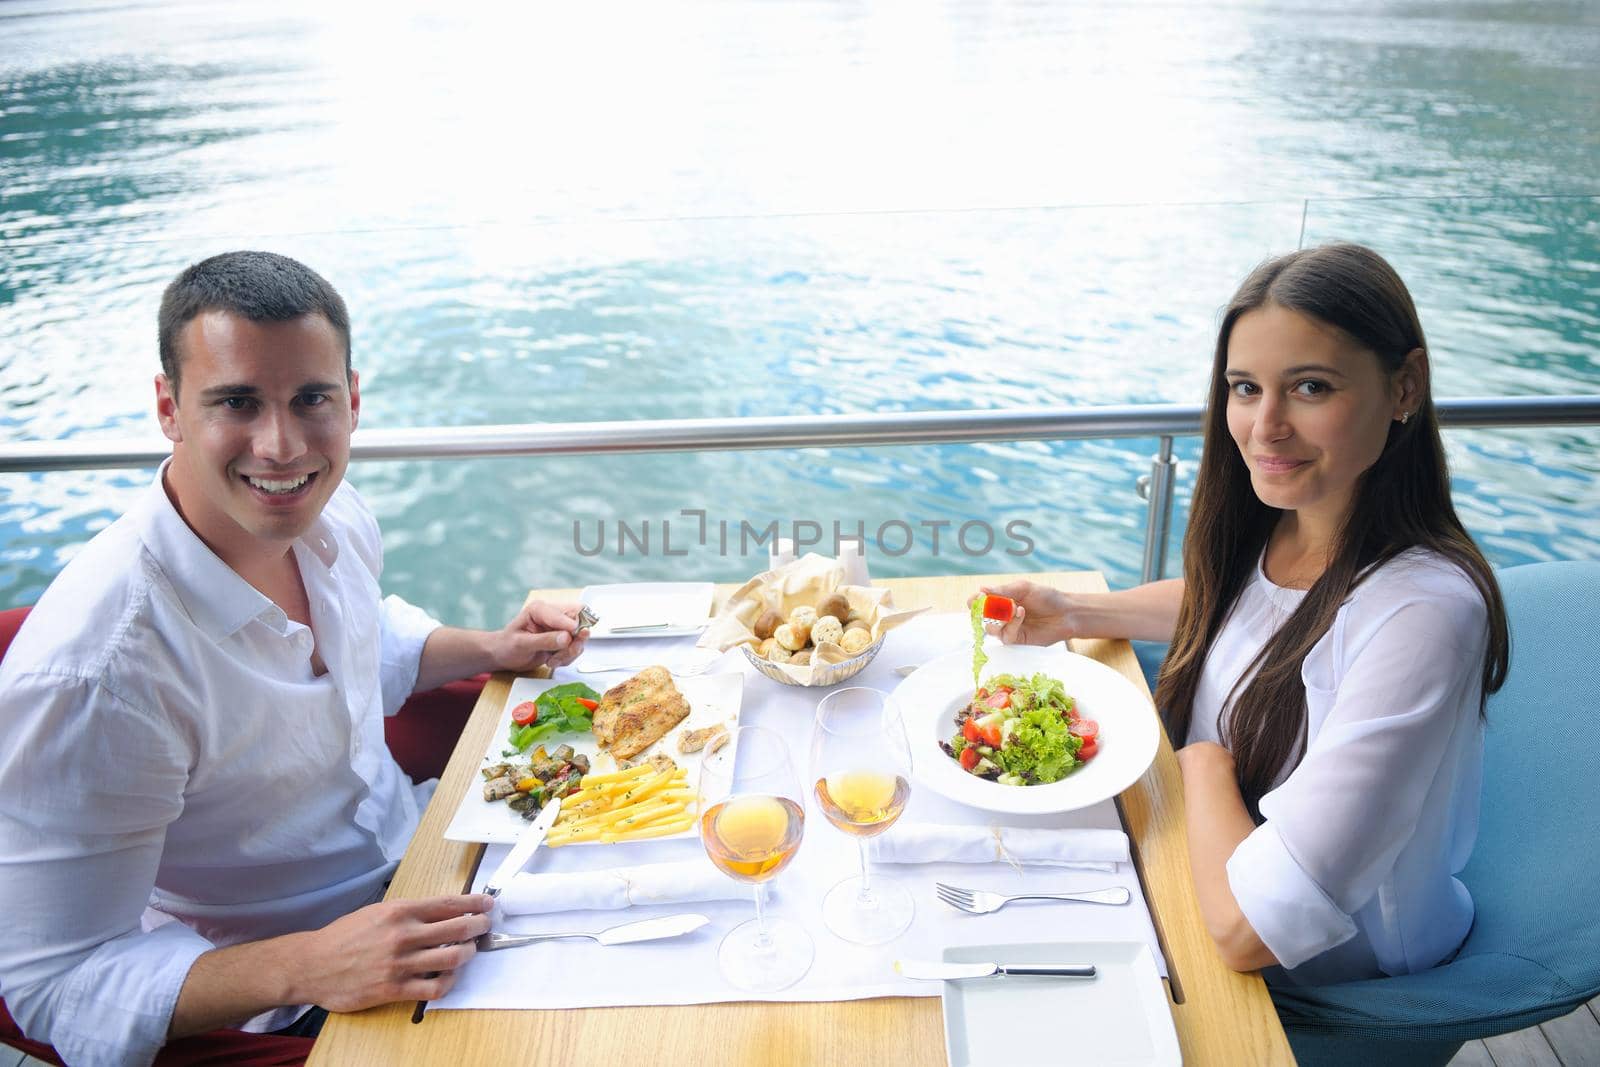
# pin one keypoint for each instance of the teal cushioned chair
(1534, 949)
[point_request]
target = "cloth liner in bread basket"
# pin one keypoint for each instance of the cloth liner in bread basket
(805, 581)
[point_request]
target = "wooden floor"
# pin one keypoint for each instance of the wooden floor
(1570, 1041)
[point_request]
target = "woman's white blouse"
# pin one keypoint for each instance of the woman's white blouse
(1351, 875)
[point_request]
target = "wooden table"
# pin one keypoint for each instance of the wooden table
(1221, 1017)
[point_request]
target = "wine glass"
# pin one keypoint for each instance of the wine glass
(861, 764)
(752, 815)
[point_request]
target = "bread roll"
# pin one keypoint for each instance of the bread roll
(779, 654)
(801, 619)
(764, 649)
(856, 641)
(767, 624)
(801, 658)
(789, 638)
(837, 605)
(857, 624)
(827, 630)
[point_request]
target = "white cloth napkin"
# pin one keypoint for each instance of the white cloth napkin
(1079, 849)
(619, 887)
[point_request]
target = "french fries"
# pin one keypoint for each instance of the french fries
(640, 802)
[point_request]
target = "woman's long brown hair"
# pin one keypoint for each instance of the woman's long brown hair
(1401, 502)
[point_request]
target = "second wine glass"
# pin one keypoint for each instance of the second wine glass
(861, 770)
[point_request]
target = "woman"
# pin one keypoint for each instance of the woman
(1333, 635)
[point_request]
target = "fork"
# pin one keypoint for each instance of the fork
(492, 941)
(982, 902)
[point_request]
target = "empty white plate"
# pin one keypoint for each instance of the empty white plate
(1120, 1016)
(649, 609)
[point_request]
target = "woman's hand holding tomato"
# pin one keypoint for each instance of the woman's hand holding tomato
(1041, 616)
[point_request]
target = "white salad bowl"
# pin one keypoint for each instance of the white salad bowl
(1129, 736)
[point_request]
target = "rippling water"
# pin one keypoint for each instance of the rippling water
(711, 209)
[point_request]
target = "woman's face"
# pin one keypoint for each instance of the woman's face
(1309, 409)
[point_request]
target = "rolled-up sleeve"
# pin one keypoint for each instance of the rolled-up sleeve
(79, 850)
(1333, 830)
(405, 629)
(1287, 908)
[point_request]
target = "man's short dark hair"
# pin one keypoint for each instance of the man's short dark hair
(259, 286)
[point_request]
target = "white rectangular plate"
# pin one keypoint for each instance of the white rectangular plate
(712, 698)
(1119, 1017)
(685, 608)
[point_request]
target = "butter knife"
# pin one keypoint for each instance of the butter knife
(950, 972)
(527, 844)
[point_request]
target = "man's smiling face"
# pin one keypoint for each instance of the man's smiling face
(260, 421)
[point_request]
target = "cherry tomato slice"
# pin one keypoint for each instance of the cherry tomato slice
(1090, 747)
(969, 730)
(1087, 729)
(524, 713)
(1000, 698)
(969, 758)
(990, 735)
(587, 704)
(999, 608)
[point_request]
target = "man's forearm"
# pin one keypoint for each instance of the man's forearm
(397, 950)
(540, 635)
(451, 653)
(226, 986)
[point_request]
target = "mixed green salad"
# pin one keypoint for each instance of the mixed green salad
(561, 709)
(1022, 731)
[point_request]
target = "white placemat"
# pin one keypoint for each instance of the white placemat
(631, 653)
(581, 974)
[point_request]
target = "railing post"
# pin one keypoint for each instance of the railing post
(1163, 476)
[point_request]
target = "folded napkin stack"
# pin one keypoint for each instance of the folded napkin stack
(1081, 849)
(619, 887)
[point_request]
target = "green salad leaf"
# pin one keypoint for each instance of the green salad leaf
(979, 656)
(559, 713)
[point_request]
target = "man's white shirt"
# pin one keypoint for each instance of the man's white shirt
(174, 777)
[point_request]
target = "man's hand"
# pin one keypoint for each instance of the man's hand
(541, 635)
(1042, 615)
(396, 950)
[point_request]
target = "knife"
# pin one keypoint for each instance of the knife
(950, 972)
(645, 930)
(523, 851)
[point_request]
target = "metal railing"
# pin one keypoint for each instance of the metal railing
(1163, 421)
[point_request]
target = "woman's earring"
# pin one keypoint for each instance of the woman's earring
(1405, 417)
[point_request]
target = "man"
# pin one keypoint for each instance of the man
(197, 807)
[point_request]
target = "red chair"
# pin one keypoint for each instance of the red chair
(421, 736)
